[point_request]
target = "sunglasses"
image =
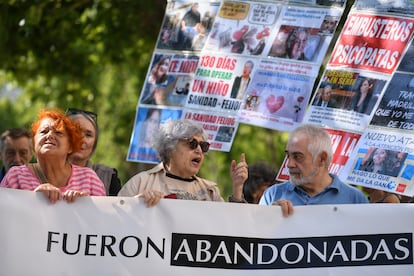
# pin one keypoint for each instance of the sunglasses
(193, 143)
(74, 111)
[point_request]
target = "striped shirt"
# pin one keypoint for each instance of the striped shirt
(82, 179)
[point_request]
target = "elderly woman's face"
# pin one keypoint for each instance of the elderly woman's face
(186, 162)
(89, 138)
(51, 141)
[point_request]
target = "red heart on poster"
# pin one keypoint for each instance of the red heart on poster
(274, 103)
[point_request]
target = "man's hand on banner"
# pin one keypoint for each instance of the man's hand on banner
(287, 207)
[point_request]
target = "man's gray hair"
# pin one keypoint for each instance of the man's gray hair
(319, 140)
(15, 133)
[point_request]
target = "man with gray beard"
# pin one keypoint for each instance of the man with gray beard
(309, 153)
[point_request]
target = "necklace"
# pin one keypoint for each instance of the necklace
(179, 177)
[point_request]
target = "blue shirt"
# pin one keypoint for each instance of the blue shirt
(336, 193)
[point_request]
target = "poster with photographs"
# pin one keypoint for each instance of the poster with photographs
(276, 98)
(168, 79)
(396, 109)
(220, 128)
(346, 99)
(186, 25)
(243, 27)
(384, 160)
(146, 125)
(220, 83)
(250, 61)
(272, 29)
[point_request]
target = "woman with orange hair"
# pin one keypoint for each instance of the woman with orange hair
(55, 138)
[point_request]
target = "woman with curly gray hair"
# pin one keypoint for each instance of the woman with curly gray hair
(181, 146)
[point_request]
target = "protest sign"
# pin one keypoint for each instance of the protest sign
(146, 125)
(220, 128)
(372, 42)
(281, 90)
(337, 104)
(241, 47)
(393, 172)
(396, 109)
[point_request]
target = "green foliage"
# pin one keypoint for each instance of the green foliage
(94, 55)
(86, 54)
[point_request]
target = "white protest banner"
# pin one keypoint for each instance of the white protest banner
(121, 236)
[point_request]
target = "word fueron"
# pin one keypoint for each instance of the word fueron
(225, 252)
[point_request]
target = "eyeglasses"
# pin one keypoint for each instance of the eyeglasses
(73, 111)
(193, 143)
